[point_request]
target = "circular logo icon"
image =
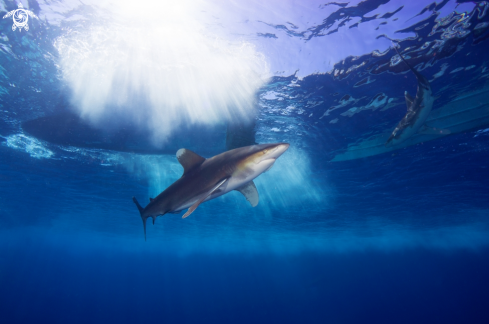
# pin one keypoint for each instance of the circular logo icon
(20, 17)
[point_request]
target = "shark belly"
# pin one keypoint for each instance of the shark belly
(424, 112)
(205, 179)
(237, 179)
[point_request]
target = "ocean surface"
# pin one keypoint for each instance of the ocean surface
(97, 97)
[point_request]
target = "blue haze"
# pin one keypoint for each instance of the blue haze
(400, 237)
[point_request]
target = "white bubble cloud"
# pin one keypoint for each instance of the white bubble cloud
(156, 66)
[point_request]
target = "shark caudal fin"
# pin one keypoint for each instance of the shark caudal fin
(142, 217)
(418, 75)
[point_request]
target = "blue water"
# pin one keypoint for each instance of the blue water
(397, 237)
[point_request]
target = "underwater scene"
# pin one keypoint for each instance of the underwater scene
(244, 161)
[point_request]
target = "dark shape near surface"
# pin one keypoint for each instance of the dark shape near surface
(418, 110)
(240, 133)
(465, 113)
(67, 128)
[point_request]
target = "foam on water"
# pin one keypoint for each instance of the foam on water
(30, 145)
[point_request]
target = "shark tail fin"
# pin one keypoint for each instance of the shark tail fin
(418, 75)
(142, 217)
(404, 60)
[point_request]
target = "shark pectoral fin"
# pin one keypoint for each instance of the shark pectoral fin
(409, 99)
(433, 131)
(250, 193)
(201, 200)
(189, 159)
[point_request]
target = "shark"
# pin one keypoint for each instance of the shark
(418, 109)
(205, 179)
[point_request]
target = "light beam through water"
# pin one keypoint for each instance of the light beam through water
(158, 68)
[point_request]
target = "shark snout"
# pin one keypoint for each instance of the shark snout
(278, 150)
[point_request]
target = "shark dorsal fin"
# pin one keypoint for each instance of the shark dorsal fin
(151, 199)
(250, 193)
(409, 99)
(189, 159)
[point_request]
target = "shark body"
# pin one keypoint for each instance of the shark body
(418, 109)
(205, 179)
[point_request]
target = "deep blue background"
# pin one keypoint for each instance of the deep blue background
(49, 283)
(98, 268)
(401, 237)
